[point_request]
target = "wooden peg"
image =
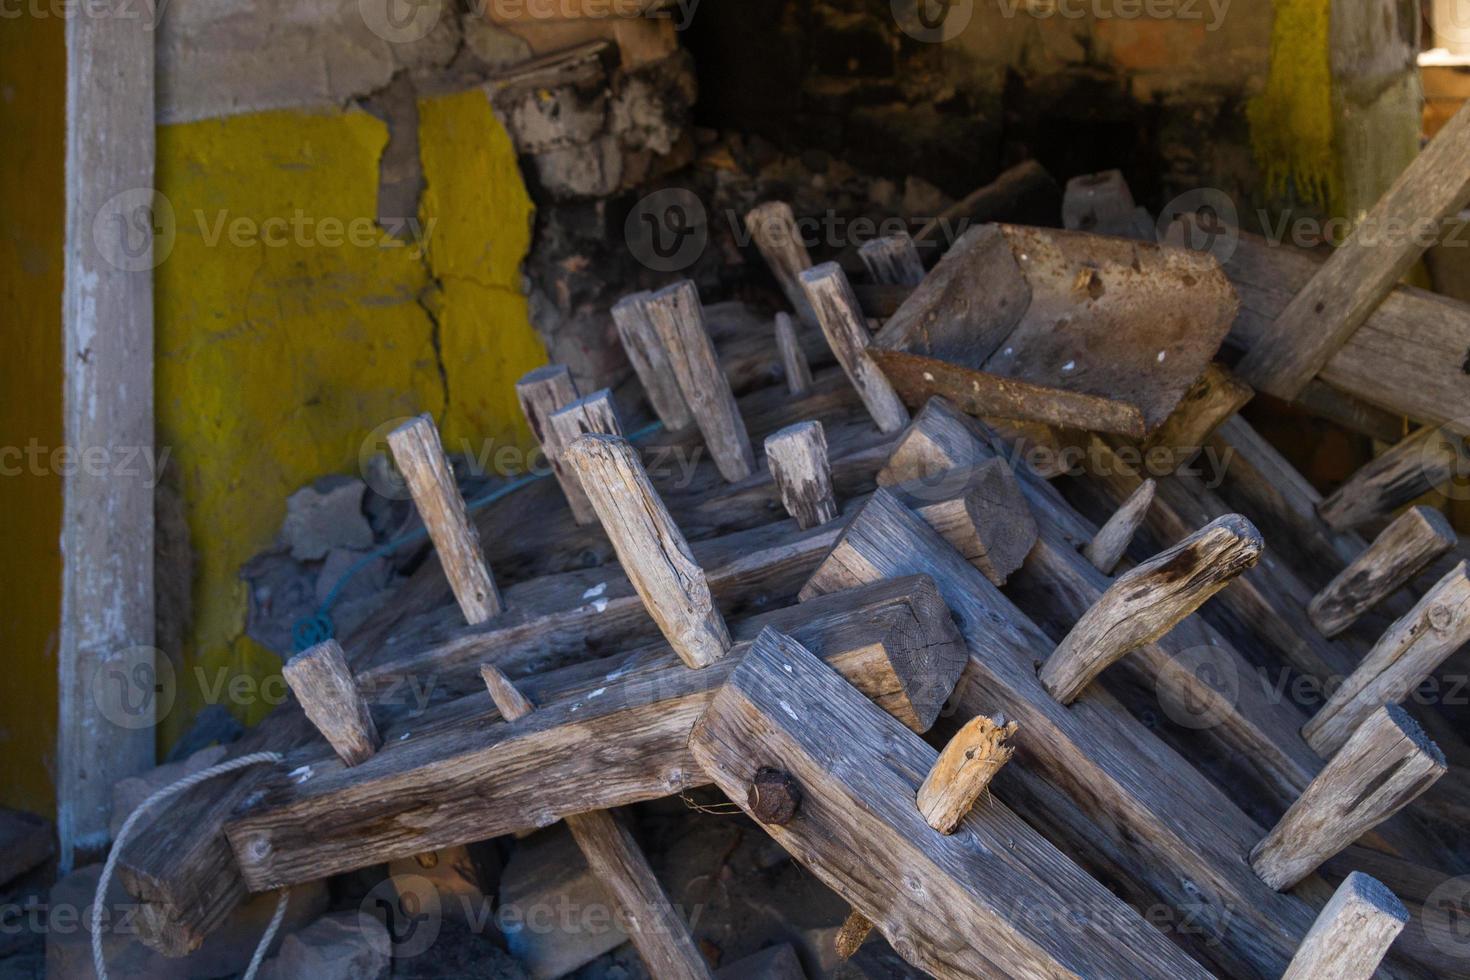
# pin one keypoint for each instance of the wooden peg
(1404, 473)
(793, 359)
(1145, 603)
(1383, 767)
(322, 682)
(893, 260)
(595, 413)
(509, 701)
(1208, 403)
(980, 510)
(650, 547)
(421, 460)
(773, 228)
(963, 770)
(797, 456)
(1404, 549)
(542, 393)
(1352, 934)
(841, 319)
(650, 361)
(679, 319)
(854, 932)
(1112, 539)
(1409, 651)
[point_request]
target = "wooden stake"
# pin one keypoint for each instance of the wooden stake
(1111, 541)
(594, 413)
(842, 322)
(1404, 473)
(679, 319)
(1364, 269)
(797, 456)
(542, 393)
(854, 932)
(1402, 551)
(963, 771)
(793, 359)
(1352, 934)
(1409, 651)
(980, 510)
(893, 260)
(652, 551)
(509, 701)
(1146, 602)
(773, 228)
(651, 361)
(1384, 765)
(322, 682)
(420, 457)
(1211, 400)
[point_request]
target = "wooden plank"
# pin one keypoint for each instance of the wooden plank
(652, 551)
(651, 361)
(1365, 268)
(1386, 763)
(542, 393)
(1414, 540)
(1107, 547)
(794, 366)
(421, 460)
(1402, 474)
(980, 903)
(323, 684)
(841, 319)
(1352, 934)
(893, 260)
(797, 458)
(454, 774)
(772, 227)
(106, 625)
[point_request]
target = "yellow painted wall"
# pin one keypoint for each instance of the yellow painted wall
(288, 329)
(32, 212)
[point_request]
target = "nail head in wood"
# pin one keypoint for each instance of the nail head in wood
(797, 457)
(323, 683)
(1352, 934)
(774, 797)
(963, 771)
(841, 320)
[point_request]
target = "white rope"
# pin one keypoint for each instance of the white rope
(194, 779)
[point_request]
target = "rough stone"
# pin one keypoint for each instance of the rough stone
(341, 946)
(326, 515)
(555, 915)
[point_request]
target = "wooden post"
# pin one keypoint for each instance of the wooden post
(1107, 547)
(963, 771)
(652, 551)
(1365, 268)
(651, 361)
(797, 456)
(893, 260)
(1409, 651)
(1352, 934)
(322, 682)
(1404, 473)
(594, 413)
(980, 510)
(793, 359)
(1384, 765)
(1146, 602)
(679, 318)
(542, 393)
(856, 929)
(773, 228)
(420, 457)
(1404, 549)
(842, 322)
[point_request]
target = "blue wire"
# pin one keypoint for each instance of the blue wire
(318, 627)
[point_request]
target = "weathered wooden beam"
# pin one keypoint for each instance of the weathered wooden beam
(1365, 268)
(1402, 474)
(975, 904)
(1417, 537)
(542, 393)
(651, 361)
(794, 366)
(1382, 768)
(420, 458)
(1148, 601)
(964, 769)
(679, 318)
(1409, 651)
(841, 319)
(650, 547)
(1110, 543)
(980, 511)
(323, 684)
(797, 457)
(1352, 934)
(893, 260)
(475, 779)
(773, 228)
(1211, 400)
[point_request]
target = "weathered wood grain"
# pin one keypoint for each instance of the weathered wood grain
(797, 458)
(1110, 543)
(980, 511)
(323, 684)
(651, 361)
(772, 227)
(1352, 934)
(594, 413)
(1216, 396)
(508, 699)
(1383, 767)
(1403, 473)
(965, 767)
(1404, 548)
(542, 393)
(893, 260)
(841, 319)
(974, 904)
(1025, 194)
(794, 366)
